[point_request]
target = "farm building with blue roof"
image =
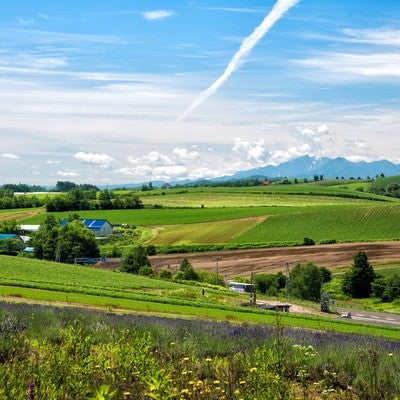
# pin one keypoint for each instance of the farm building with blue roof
(97, 226)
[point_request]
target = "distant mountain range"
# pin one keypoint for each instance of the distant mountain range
(307, 167)
(304, 167)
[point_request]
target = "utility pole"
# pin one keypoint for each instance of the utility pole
(286, 279)
(216, 271)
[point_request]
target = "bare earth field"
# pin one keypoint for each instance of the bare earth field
(243, 262)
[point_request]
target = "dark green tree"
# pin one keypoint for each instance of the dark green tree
(10, 226)
(305, 282)
(134, 259)
(186, 271)
(358, 281)
(392, 289)
(76, 241)
(105, 200)
(10, 246)
(45, 239)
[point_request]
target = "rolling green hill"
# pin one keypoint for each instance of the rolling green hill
(35, 280)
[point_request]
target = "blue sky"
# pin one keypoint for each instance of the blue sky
(92, 91)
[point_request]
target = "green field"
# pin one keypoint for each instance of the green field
(169, 216)
(288, 225)
(205, 232)
(340, 223)
(52, 282)
(323, 211)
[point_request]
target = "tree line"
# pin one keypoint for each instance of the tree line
(78, 199)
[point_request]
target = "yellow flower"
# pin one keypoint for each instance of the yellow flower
(254, 369)
(183, 391)
(242, 382)
(390, 354)
(186, 359)
(216, 382)
(208, 359)
(237, 391)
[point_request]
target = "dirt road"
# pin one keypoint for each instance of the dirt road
(243, 262)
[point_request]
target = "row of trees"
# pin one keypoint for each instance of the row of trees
(78, 199)
(8, 201)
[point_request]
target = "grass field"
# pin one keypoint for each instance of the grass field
(52, 282)
(205, 232)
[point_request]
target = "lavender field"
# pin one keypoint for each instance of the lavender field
(88, 355)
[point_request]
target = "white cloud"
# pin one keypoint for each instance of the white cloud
(254, 152)
(345, 67)
(157, 14)
(165, 172)
(383, 36)
(25, 21)
(153, 158)
(316, 139)
(183, 154)
(9, 156)
(44, 62)
(170, 172)
(43, 16)
(53, 162)
(279, 156)
(94, 158)
(67, 174)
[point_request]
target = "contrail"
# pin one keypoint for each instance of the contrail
(279, 9)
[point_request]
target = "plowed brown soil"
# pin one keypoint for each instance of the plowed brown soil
(243, 262)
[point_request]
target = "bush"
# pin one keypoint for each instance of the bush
(308, 242)
(165, 274)
(135, 258)
(146, 270)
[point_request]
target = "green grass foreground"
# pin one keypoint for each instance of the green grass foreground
(84, 355)
(52, 282)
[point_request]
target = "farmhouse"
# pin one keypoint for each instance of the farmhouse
(97, 226)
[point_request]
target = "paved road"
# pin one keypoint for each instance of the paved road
(372, 317)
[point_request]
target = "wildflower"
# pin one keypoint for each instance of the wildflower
(253, 369)
(242, 382)
(127, 393)
(186, 359)
(390, 354)
(208, 359)
(216, 382)
(183, 391)
(172, 344)
(237, 391)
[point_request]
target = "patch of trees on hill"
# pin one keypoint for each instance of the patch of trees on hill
(252, 181)
(389, 186)
(9, 200)
(22, 187)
